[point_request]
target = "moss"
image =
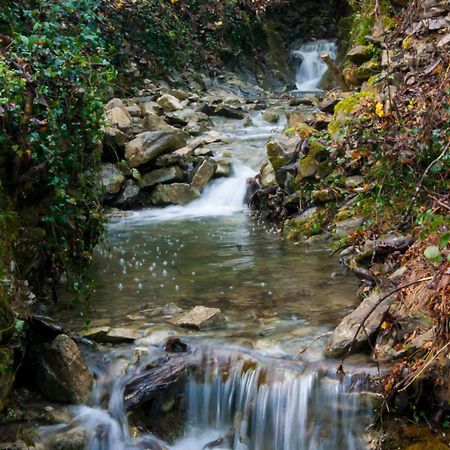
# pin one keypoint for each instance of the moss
(275, 158)
(302, 129)
(345, 109)
(305, 226)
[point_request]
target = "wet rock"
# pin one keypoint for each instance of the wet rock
(340, 342)
(60, 371)
(203, 174)
(223, 168)
(111, 178)
(128, 196)
(45, 327)
(203, 151)
(147, 146)
(231, 112)
(173, 194)
(169, 103)
(6, 376)
(175, 345)
(247, 122)
(163, 175)
(108, 335)
(114, 137)
(200, 318)
(271, 115)
(72, 439)
(198, 123)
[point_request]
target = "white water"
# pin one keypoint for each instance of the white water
(224, 196)
(311, 68)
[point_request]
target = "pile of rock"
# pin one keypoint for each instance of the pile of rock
(155, 148)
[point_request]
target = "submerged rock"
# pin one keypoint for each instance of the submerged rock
(147, 146)
(174, 194)
(340, 342)
(60, 371)
(200, 318)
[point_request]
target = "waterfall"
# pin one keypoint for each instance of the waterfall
(266, 408)
(311, 68)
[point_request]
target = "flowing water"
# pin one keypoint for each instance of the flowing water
(280, 300)
(311, 68)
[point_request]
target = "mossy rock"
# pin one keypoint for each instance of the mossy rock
(360, 54)
(316, 162)
(367, 70)
(307, 224)
(6, 376)
(303, 130)
(346, 110)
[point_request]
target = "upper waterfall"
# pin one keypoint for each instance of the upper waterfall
(311, 68)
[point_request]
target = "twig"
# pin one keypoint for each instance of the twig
(423, 368)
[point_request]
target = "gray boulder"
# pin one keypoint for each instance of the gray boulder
(203, 174)
(60, 371)
(114, 137)
(162, 175)
(283, 150)
(128, 196)
(112, 179)
(147, 146)
(223, 168)
(340, 342)
(231, 112)
(173, 194)
(154, 122)
(169, 103)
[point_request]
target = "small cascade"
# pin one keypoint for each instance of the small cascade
(311, 68)
(268, 408)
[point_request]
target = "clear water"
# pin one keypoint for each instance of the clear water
(278, 298)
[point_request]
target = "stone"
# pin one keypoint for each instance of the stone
(154, 122)
(283, 150)
(203, 151)
(268, 175)
(223, 168)
(147, 146)
(111, 178)
(134, 110)
(367, 70)
(346, 227)
(72, 439)
(340, 342)
(231, 112)
(360, 54)
(169, 103)
(6, 376)
(354, 181)
(271, 115)
(247, 122)
(200, 318)
(162, 175)
(172, 159)
(118, 117)
(173, 194)
(114, 137)
(203, 174)
(108, 335)
(150, 107)
(179, 94)
(297, 117)
(128, 195)
(60, 371)
(322, 195)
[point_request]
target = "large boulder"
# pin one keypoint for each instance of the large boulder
(203, 174)
(162, 175)
(154, 122)
(60, 371)
(117, 115)
(128, 196)
(113, 137)
(112, 179)
(169, 103)
(283, 150)
(147, 146)
(173, 194)
(343, 342)
(200, 318)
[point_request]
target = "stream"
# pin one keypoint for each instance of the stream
(280, 301)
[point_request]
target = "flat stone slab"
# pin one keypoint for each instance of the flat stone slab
(108, 335)
(200, 318)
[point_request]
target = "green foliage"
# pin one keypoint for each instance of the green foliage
(54, 75)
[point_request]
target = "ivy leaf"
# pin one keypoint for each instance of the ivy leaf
(19, 325)
(444, 239)
(433, 254)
